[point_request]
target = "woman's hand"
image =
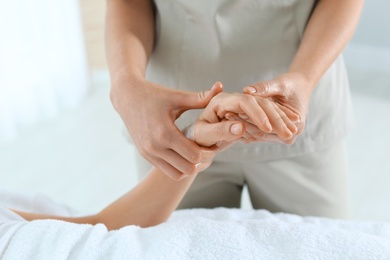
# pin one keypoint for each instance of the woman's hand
(291, 93)
(262, 113)
(215, 129)
(149, 112)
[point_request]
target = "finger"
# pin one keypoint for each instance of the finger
(249, 128)
(288, 120)
(253, 134)
(215, 146)
(190, 151)
(256, 113)
(193, 100)
(290, 125)
(226, 144)
(183, 146)
(264, 89)
(177, 167)
(236, 103)
(243, 116)
(294, 117)
(230, 115)
(168, 169)
(277, 123)
(207, 134)
(274, 138)
(179, 163)
(264, 137)
(246, 118)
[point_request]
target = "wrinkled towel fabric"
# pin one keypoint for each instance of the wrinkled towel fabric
(198, 234)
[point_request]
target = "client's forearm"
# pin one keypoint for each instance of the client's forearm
(154, 199)
(34, 216)
(150, 203)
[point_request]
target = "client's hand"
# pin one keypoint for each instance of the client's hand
(213, 130)
(260, 115)
(217, 135)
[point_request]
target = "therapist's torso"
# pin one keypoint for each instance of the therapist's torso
(239, 43)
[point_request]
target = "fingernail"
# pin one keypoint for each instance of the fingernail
(243, 116)
(236, 129)
(251, 89)
(217, 84)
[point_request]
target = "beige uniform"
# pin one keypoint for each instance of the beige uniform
(240, 42)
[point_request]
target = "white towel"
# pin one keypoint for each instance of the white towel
(206, 234)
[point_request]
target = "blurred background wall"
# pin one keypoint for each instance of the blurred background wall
(370, 46)
(43, 68)
(93, 15)
(374, 25)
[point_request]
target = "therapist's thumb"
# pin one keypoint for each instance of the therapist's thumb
(196, 100)
(208, 134)
(265, 89)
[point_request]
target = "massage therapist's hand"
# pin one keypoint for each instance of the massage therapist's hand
(290, 91)
(149, 112)
(218, 137)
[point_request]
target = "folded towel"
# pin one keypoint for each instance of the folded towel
(206, 234)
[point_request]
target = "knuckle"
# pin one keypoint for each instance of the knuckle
(248, 98)
(176, 176)
(260, 135)
(148, 147)
(283, 83)
(286, 87)
(195, 157)
(160, 133)
(219, 130)
(201, 95)
(191, 169)
(263, 87)
(143, 152)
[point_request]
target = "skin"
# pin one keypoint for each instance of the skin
(328, 31)
(129, 43)
(154, 199)
(130, 29)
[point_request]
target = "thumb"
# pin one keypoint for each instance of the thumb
(196, 100)
(264, 89)
(207, 134)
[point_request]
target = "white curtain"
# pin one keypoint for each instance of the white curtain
(43, 67)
